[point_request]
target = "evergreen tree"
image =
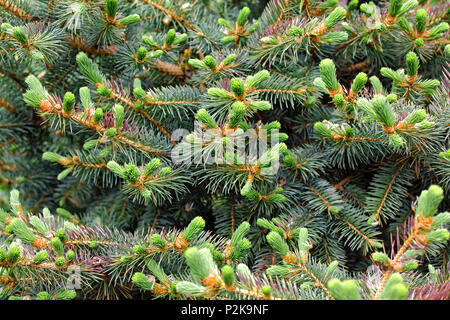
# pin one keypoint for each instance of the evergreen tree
(280, 149)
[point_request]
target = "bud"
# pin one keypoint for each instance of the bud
(149, 41)
(196, 63)
(104, 91)
(140, 249)
(441, 219)
(408, 6)
(40, 257)
(130, 19)
(65, 295)
(111, 132)
(339, 100)
(410, 265)
(437, 31)
(396, 140)
(322, 129)
(277, 243)
(328, 74)
(383, 111)
(296, 31)
(380, 257)
(391, 98)
(352, 5)
(141, 53)
(260, 105)
(227, 39)
(240, 232)
(157, 241)
(43, 296)
(180, 38)
(115, 167)
(57, 246)
(70, 255)
(229, 59)
(194, 228)
(237, 86)
(152, 166)
(20, 35)
(429, 200)
(189, 289)
(246, 188)
(60, 262)
(243, 16)
(111, 7)
(165, 172)
(344, 290)
(210, 62)
(61, 234)
(14, 254)
(335, 17)
(276, 198)
(243, 270)
(267, 291)
(421, 20)
(391, 74)
(98, 115)
(204, 117)
(139, 279)
(331, 268)
(170, 37)
(419, 42)
(51, 156)
(258, 78)
(395, 7)
(218, 93)
(359, 82)
(64, 213)
(223, 23)
(395, 289)
(20, 229)
(412, 64)
(5, 27)
(277, 271)
(238, 110)
(416, 116)
(227, 275)
(439, 235)
(131, 173)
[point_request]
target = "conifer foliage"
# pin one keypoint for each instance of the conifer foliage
(222, 149)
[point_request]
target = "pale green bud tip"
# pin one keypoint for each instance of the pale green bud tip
(277, 243)
(141, 280)
(321, 129)
(237, 86)
(335, 17)
(210, 62)
(266, 290)
(157, 241)
(429, 200)
(229, 59)
(194, 228)
(243, 16)
(130, 19)
(131, 173)
(328, 74)
(51, 156)
(204, 117)
(68, 101)
(170, 37)
(111, 132)
(227, 275)
(416, 116)
(412, 64)
(20, 35)
(359, 82)
(380, 257)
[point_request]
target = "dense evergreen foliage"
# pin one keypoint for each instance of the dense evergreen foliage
(281, 149)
